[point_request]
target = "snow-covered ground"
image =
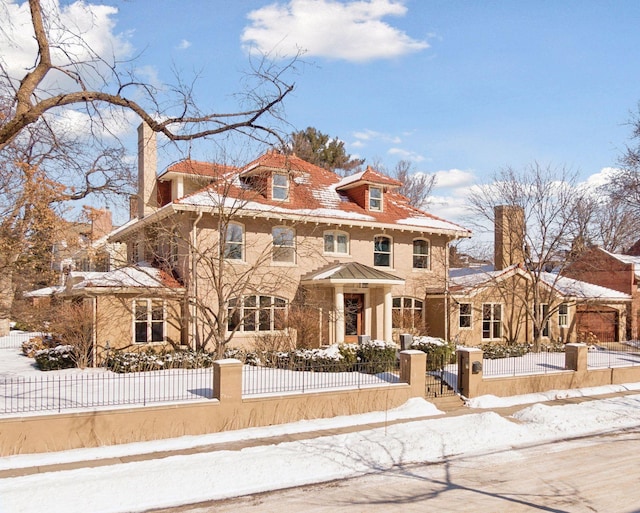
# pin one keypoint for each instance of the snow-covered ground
(188, 478)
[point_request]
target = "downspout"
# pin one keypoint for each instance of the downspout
(94, 334)
(193, 281)
(447, 302)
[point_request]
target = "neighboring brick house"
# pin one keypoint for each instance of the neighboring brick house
(616, 271)
(350, 252)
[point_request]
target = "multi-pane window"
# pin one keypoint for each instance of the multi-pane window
(283, 245)
(491, 321)
(336, 242)
(375, 198)
(257, 313)
(563, 315)
(280, 186)
(544, 312)
(234, 242)
(407, 313)
(382, 251)
(149, 320)
(464, 315)
(421, 254)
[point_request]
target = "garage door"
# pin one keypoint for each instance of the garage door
(602, 323)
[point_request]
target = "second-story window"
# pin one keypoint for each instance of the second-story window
(382, 251)
(563, 315)
(280, 187)
(234, 242)
(283, 245)
(421, 254)
(375, 198)
(336, 242)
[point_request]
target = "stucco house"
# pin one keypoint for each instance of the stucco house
(497, 302)
(250, 244)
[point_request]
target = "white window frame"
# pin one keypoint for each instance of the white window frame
(280, 244)
(403, 308)
(375, 203)
(495, 323)
(563, 317)
(379, 252)
(228, 255)
(467, 315)
(282, 188)
(426, 255)
(149, 321)
(334, 234)
(248, 316)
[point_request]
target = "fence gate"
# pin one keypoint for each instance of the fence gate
(437, 385)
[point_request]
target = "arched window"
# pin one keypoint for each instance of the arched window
(336, 242)
(234, 242)
(284, 240)
(421, 254)
(407, 313)
(382, 248)
(257, 313)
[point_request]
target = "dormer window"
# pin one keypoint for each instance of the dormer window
(375, 198)
(280, 187)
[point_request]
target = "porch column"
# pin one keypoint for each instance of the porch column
(388, 318)
(338, 301)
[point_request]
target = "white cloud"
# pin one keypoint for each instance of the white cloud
(406, 154)
(77, 32)
(183, 45)
(602, 177)
(454, 178)
(372, 135)
(351, 31)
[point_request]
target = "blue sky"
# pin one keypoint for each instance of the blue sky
(460, 88)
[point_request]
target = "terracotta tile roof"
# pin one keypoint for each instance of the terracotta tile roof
(368, 176)
(314, 193)
(194, 167)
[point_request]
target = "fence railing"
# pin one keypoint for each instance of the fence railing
(613, 354)
(530, 363)
(268, 380)
(67, 391)
(15, 339)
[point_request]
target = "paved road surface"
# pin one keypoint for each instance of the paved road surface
(593, 474)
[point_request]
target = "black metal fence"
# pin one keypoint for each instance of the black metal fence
(269, 380)
(543, 362)
(15, 339)
(57, 392)
(441, 379)
(614, 354)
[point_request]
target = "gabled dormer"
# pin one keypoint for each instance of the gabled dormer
(186, 177)
(271, 175)
(368, 188)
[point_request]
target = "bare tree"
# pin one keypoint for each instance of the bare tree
(548, 200)
(94, 81)
(416, 185)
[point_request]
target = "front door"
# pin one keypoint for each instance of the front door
(353, 308)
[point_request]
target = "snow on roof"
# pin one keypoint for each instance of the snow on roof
(472, 277)
(142, 275)
(44, 292)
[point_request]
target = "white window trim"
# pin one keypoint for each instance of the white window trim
(428, 255)
(335, 234)
(390, 266)
(492, 321)
(241, 243)
(565, 315)
(149, 321)
(371, 188)
(293, 247)
(470, 315)
(286, 187)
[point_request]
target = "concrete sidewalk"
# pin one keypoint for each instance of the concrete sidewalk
(450, 406)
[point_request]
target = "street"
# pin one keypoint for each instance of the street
(590, 474)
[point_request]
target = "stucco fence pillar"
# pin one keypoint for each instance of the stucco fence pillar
(469, 371)
(575, 357)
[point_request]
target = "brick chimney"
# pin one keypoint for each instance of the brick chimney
(509, 232)
(147, 170)
(101, 223)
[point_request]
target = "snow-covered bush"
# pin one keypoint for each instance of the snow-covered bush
(29, 347)
(379, 353)
(55, 358)
(122, 361)
(439, 352)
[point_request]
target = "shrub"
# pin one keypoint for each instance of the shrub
(380, 355)
(29, 347)
(439, 352)
(59, 357)
(123, 361)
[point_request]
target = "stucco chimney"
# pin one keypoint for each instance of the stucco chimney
(509, 232)
(101, 223)
(147, 170)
